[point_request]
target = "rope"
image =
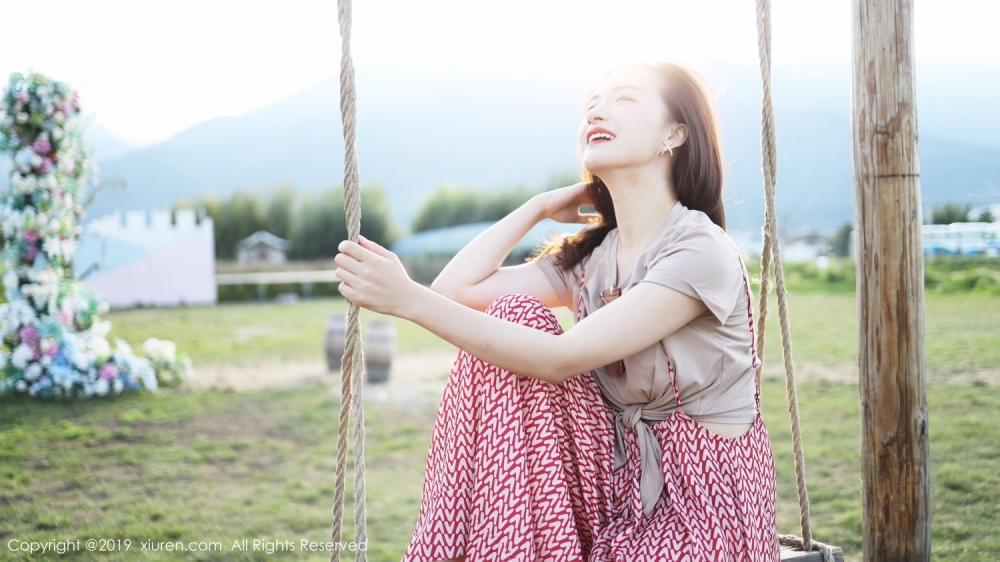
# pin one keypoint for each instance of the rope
(798, 542)
(353, 358)
(770, 166)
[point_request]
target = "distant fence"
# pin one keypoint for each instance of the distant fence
(264, 278)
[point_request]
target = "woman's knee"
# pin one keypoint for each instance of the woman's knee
(526, 310)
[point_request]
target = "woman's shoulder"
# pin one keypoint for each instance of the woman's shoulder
(695, 230)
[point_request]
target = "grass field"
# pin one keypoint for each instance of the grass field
(217, 466)
(961, 330)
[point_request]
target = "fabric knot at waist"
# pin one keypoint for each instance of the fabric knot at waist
(650, 450)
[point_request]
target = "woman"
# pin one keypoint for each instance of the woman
(635, 435)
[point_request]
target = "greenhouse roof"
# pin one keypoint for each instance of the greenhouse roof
(449, 241)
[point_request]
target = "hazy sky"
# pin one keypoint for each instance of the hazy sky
(149, 73)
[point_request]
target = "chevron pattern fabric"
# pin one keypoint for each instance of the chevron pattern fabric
(521, 470)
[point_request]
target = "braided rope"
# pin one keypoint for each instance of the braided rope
(769, 157)
(353, 358)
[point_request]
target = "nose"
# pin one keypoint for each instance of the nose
(595, 113)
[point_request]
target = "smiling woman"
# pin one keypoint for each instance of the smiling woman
(623, 460)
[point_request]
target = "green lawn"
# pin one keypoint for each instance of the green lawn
(218, 466)
(961, 330)
(179, 466)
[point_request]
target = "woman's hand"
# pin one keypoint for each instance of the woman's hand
(563, 204)
(372, 277)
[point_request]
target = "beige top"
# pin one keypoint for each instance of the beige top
(712, 355)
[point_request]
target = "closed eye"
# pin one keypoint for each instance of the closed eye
(624, 98)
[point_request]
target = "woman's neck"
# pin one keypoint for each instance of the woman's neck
(642, 201)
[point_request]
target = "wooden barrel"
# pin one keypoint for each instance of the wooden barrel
(380, 345)
(336, 336)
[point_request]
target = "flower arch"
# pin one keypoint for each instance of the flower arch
(53, 341)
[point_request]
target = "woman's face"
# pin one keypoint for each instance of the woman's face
(628, 107)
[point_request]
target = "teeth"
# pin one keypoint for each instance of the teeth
(600, 136)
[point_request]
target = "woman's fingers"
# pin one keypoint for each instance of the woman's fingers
(345, 276)
(353, 250)
(374, 247)
(346, 262)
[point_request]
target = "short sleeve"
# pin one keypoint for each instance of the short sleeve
(701, 262)
(562, 281)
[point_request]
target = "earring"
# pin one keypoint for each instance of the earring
(666, 148)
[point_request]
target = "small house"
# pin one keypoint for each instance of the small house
(263, 247)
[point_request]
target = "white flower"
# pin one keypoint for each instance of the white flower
(100, 348)
(59, 118)
(21, 386)
(22, 354)
(148, 375)
(10, 280)
(122, 348)
(22, 117)
(162, 350)
(33, 372)
(101, 329)
(46, 360)
(101, 387)
(23, 157)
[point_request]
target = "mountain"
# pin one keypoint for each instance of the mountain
(106, 145)
(417, 130)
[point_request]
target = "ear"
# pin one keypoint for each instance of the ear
(679, 135)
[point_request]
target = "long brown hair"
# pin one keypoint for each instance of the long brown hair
(696, 171)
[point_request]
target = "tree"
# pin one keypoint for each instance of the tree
(321, 223)
(451, 206)
(949, 213)
(448, 206)
(278, 213)
(233, 219)
(840, 241)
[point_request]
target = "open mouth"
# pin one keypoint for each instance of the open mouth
(600, 137)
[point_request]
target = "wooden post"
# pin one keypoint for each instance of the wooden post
(889, 255)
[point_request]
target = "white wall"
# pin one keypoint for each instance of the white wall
(154, 264)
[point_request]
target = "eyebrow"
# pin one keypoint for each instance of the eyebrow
(615, 90)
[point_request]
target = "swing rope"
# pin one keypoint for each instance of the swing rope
(769, 157)
(353, 358)
(351, 412)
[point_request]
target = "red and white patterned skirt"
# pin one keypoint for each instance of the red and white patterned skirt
(521, 470)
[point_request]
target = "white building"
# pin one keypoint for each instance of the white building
(137, 258)
(262, 246)
(966, 238)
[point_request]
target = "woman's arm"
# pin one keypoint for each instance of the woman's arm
(374, 278)
(481, 257)
(475, 278)
(636, 320)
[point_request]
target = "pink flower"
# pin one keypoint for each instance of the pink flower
(53, 350)
(31, 236)
(29, 336)
(66, 316)
(45, 167)
(21, 96)
(42, 147)
(31, 254)
(109, 371)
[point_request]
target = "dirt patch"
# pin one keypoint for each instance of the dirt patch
(415, 379)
